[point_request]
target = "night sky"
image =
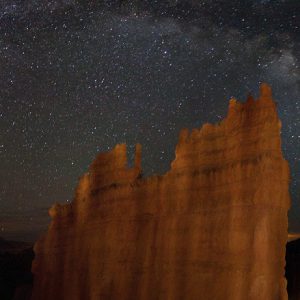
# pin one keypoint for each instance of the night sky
(78, 78)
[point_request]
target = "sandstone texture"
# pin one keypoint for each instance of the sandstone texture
(214, 227)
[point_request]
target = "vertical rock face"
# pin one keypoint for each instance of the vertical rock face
(213, 227)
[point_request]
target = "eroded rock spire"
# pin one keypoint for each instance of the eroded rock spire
(213, 227)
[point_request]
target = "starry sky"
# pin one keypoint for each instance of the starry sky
(77, 77)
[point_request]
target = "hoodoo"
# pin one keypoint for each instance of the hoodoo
(213, 227)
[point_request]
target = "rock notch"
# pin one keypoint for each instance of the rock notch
(213, 227)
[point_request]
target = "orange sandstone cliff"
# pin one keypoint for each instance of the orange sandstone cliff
(214, 227)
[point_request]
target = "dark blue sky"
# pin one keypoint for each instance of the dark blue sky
(77, 78)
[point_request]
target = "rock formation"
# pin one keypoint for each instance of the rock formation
(213, 227)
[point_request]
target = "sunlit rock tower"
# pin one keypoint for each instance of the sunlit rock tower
(213, 227)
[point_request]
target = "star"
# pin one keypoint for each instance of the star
(78, 78)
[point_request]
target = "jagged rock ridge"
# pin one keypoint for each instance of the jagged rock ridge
(213, 227)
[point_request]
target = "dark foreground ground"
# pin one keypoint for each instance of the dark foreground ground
(293, 269)
(16, 278)
(15, 264)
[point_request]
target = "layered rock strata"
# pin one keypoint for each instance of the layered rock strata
(213, 227)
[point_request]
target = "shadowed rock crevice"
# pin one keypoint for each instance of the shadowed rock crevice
(293, 269)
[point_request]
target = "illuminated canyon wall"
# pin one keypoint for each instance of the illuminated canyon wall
(214, 227)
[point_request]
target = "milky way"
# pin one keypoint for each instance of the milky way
(78, 78)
